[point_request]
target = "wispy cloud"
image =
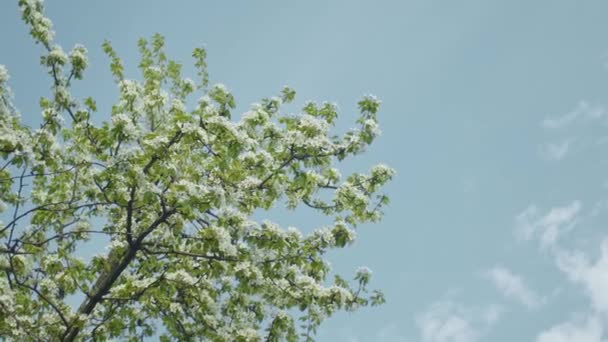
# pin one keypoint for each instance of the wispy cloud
(575, 330)
(563, 129)
(390, 332)
(556, 151)
(592, 275)
(513, 286)
(561, 121)
(583, 110)
(547, 228)
(447, 321)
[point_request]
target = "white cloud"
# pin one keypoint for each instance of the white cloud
(441, 324)
(548, 228)
(390, 332)
(561, 121)
(599, 207)
(592, 275)
(446, 321)
(576, 330)
(570, 132)
(525, 225)
(512, 286)
(491, 314)
(583, 110)
(556, 151)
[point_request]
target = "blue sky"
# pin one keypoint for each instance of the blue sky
(494, 115)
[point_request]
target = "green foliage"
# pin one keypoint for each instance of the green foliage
(115, 63)
(173, 191)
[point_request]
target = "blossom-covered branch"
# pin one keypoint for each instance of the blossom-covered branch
(170, 192)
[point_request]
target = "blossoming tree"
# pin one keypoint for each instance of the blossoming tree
(172, 191)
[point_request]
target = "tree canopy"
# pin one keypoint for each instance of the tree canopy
(172, 191)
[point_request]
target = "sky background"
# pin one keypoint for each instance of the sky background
(493, 115)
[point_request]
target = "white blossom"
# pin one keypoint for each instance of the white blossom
(250, 182)
(175, 308)
(117, 243)
(294, 233)
(129, 88)
(178, 105)
(224, 241)
(364, 271)
(57, 55)
(317, 125)
(4, 76)
(181, 276)
(189, 83)
(372, 127)
(78, 58)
